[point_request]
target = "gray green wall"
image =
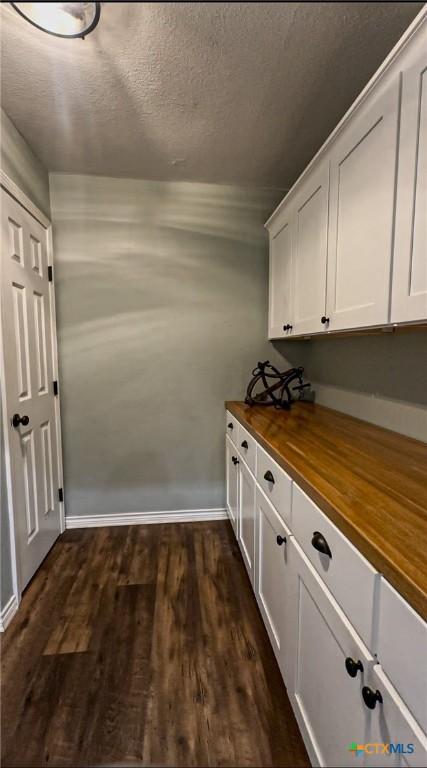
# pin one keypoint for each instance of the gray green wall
(22, 166)
(381, 378)
(20, 163)
(162, 302)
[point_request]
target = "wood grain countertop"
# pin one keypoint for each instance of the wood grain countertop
(371, 482)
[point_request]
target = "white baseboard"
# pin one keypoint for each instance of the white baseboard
(144, 518)
(8, 613)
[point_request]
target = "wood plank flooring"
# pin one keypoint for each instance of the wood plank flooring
(143, 645)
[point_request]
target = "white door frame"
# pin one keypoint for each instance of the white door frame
(14, 191)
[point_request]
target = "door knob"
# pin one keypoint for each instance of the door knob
(353, 667)
(269, 477)
(230, 425)
(280, 539)
(245, 444)
(287, 327)
(324, 320)
(235, 460)
(17, 420)
(319, 542)
(371, 697)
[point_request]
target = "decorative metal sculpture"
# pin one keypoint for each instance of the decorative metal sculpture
(276, 386)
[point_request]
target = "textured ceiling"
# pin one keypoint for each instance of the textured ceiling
(219, 92)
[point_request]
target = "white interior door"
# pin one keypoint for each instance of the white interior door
(310, 250)
(409, 289)
(361, 212)
(28, 397)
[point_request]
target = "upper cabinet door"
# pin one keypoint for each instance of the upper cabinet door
(409, 291)
(362, 193)
(280, 280)
(310, 250)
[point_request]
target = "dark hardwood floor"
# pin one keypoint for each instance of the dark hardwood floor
(144, 645)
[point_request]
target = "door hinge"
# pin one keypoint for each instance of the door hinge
(50, 273)
(61, 494)
(55, 387)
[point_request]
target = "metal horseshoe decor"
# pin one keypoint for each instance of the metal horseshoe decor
(269, 386)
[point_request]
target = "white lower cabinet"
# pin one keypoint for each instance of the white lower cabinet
(393, 737)
(323, 654)
(246, 524)
(272, 574)
(232, 482)
(322, 605)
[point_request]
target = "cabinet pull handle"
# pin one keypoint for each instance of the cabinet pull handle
(287, 327)
(324, 320)
(234, 459)
(353, 667)
(245, 444)
(230, 425)
(280, 539)
(17, 420)
(269, 477)
(371, 697)
(319, 542)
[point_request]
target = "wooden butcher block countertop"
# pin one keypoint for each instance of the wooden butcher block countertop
(371, 482)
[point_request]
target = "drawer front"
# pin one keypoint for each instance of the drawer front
(275, 483)
(391, 723)
(247, 448)
(351, 579)
(231, 427)
(402, 647)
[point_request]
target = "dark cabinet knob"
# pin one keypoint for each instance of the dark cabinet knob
(371, 697)
(269, 477)
(280, 540)
(245, 445)
(17, 420)
(287, 327)
(324, 320)
(353, 667)
(234, 459)
(319, 542)
(230, 425)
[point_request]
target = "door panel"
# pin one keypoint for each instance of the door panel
(409, 291)
(362, 192)
(310, 250)
(232, 482)
(280, 279)
(271, 574)
(327, 701)
(246, 523)
(28, 376)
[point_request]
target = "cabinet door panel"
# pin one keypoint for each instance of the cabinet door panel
(362, 192)
(232, 482)
(391, 723)
(246, 525)
(272, 574)
(310, 250)
(409, 291)
(327, 701)
(280, 276)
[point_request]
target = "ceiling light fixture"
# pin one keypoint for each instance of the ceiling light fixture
(61, 19)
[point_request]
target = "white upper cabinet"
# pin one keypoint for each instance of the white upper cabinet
(363, 168)
(409, 295)
(280, 287)
(310, 249)
(348, 245)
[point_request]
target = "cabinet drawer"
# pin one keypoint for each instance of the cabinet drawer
(351, 579)
(231, 427)
(402, 650)
(391, 723)
(275, 483)
(247, 448)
